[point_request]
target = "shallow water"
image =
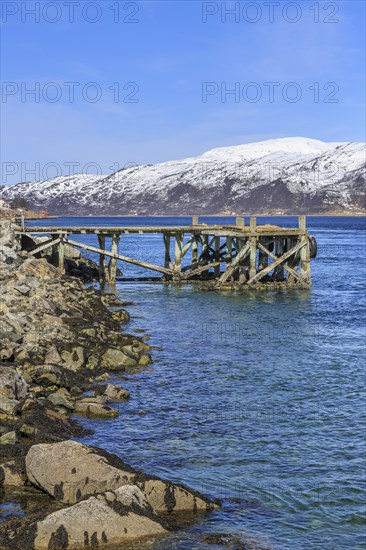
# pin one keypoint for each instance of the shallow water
(256, 398)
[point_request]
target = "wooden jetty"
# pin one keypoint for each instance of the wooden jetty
(236, 255)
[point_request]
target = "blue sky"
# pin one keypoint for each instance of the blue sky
(173, 63)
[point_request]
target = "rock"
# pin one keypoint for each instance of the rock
(165, 497)
(8, 438)
(145, 360)
(98, 410)
(61, 398)
(12, 385)
(52, 356)
(108, 519)
(74, 359)
(102, 377)
(9, 406)
(115, 359)
(38, 268)
(13, 473)
(112, 391)
(83, 471)
(122, 316)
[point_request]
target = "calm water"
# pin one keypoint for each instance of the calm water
(256, 398)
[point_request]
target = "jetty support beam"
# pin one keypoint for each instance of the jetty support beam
(112, 268)
(304, 252)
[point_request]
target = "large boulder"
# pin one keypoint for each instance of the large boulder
(80, 471)
(83, 471)
(109, 519)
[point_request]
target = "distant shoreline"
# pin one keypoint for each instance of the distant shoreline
(334, 214)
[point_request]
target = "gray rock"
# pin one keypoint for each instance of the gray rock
(109, 519)
(115, 359)
(97, 410)
(82, 471)
(12, 385)
(61, 398)
(8, 439)
(9, 406)
(112, 391)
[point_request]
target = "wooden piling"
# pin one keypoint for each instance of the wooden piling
(194, 250)
(253, 248)
(61, 256)
(102, 259)
(304, 252)
(167, 258)
(112, 268)
(217, 256)
(178, 253)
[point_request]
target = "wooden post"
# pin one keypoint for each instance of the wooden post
(279, 273)
(242, 266)
(217, 256)
(167, 259)
(262, 256)
(293, 262)
(229, 250)
(113, 261)
(253, 248)
(304, 252)
(178, 252)
(54, 251)
(194, 250)
(195, 220)
(102, 259)
(61, 256)
(240, 222)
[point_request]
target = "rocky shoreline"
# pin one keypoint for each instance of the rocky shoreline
(59, 342)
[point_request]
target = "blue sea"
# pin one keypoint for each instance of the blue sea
(257, 398)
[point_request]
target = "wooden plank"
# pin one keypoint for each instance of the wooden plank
(187, 246)
(280, 260)
(44, 246)
(126, 259)
(202, 269)
(233, 266)
(285, 266)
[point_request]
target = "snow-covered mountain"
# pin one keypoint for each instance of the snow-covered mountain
(289, 175)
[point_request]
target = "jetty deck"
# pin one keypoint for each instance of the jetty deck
(223, 255)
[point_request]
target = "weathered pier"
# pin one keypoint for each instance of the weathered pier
(235, 255)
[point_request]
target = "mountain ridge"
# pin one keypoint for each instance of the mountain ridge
(284, 175)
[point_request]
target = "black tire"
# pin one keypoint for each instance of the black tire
(313, 247)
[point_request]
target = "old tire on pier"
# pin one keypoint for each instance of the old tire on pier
(313, 247)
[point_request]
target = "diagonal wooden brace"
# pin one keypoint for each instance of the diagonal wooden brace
(279, 261)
